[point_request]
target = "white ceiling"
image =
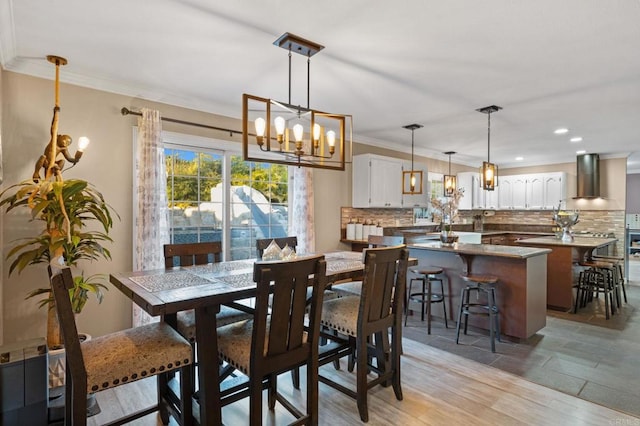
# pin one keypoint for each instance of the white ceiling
(548, 63)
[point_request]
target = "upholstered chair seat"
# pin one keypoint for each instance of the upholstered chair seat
(187, 320)
(341, 315)
(136, 353)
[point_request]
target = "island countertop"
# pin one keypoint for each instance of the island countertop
(589, 242)
(484, 249)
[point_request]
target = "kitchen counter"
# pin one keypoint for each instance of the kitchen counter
(484, 250)
(561, 264)
(521, 287)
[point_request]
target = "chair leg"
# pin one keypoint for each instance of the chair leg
(78, 405)
(396, 345)
(312, 391)
(186, 392)
(272, 389)
(295, 378)
(462, 294)
(255, 402)
(361, 377)
(163, 389)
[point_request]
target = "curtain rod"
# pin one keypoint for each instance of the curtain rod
(127, 111)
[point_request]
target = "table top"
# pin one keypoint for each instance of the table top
(483, 249)
(578, 242)
(167, 291)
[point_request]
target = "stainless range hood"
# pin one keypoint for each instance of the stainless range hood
(588, 172)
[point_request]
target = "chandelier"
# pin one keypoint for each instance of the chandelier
(293, 134)
(411, 177)
(488, 171)
(449, 180)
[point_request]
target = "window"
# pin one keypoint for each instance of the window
(213, 195)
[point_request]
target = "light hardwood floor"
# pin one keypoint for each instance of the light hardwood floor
(439, 389)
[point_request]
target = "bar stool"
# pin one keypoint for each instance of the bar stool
(618, 262)
(599, 276)
(484, 284)
(426, 275)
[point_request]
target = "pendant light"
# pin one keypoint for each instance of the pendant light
(449, 180)
(489, 171)
(412, 179)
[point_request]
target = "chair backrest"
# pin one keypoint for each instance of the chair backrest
(291, 342)
(385, 240)
(263, 243)
(192, 253)
(383, 287)
(61, 283)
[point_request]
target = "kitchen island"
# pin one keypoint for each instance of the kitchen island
(561, 265)
(522, 280)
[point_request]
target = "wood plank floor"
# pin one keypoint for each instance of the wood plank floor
(439, 389)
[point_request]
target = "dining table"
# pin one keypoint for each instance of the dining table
(204, 288)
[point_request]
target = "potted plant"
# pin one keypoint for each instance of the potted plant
(66, 209)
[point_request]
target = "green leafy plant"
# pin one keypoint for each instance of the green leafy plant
(65, 208)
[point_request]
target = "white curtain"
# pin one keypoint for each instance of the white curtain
(301, 222)
(151, 213)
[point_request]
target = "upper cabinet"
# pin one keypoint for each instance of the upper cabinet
(540, 191)
(377, 181)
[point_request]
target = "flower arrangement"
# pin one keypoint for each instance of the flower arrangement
(445, 209)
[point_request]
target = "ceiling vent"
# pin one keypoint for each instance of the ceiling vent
(588, 172)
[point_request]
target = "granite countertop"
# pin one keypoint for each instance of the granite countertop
(577, 242)
(483, 249)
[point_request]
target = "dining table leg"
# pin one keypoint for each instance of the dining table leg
(207, 348)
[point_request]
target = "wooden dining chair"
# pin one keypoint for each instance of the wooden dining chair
(119, 358)
(190, 254)
(263, 243)
(278, 339)
(363, 323)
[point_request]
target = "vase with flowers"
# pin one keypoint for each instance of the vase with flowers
(445, 211)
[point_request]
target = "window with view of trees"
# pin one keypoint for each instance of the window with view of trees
(198, 183)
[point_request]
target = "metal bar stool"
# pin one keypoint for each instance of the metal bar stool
(426, 275)
(484, 284)
(600, 276)
(618, 262)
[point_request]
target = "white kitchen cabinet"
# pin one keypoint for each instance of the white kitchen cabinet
(535, 191)
(465, 182)
(505, 200)
(555, 190)
(539, 191)
(416, 200)
(376, 181)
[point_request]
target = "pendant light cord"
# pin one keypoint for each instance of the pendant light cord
(489, 137)
(412, 149)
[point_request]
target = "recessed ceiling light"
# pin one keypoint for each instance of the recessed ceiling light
(560, 131)
(519, 158)
(582, 151)
(576, 139)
